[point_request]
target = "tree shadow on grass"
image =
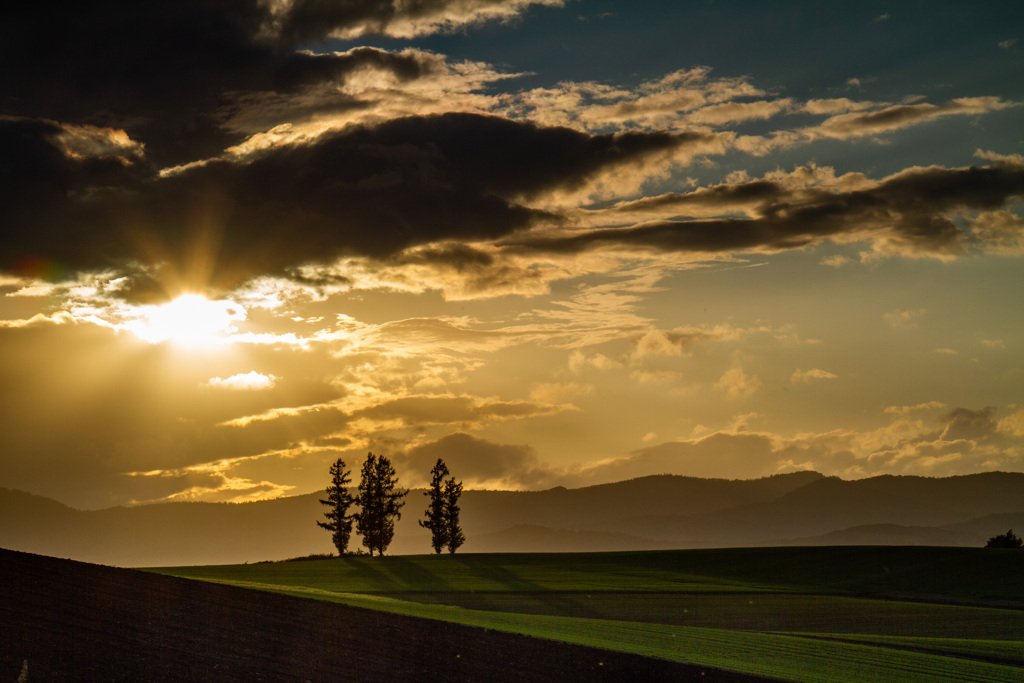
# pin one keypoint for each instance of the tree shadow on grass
(395, 574)
(493, 569)
(370, 577)
(413, 576)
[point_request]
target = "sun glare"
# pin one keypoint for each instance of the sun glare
(191, 320)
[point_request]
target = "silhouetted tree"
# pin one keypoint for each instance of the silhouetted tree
(338, 501)
(1007, 540)
(380, 502)
(435, 514)
(442, 514)
(453, 530)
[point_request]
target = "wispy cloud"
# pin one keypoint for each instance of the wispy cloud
(906, 410)
(805, 376)
(738, 384)
(250, 381)
(907, 214)
(305, 20)
(663, 103)
(905, 319)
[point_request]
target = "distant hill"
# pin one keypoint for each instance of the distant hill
(978, 531)
(600, 507)
(829, 504)
(666, 511)
(181, 533)
(884, 534)
(973, 533)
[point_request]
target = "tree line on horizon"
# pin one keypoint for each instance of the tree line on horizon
(380, 502)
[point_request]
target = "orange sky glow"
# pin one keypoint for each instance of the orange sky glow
(472, 233)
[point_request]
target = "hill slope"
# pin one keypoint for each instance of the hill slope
(222, 533)
(802, 508)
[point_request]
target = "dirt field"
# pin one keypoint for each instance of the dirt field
(72, 621)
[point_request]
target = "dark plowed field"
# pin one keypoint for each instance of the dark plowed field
(72, 621)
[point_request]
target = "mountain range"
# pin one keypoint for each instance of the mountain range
(655, 512)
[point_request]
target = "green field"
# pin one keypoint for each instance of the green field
(801, 614)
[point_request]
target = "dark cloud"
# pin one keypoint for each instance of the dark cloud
(155, 68)
(459, 257)
(475, 461)
(314, 19)
(179, 82)
(965, 423)
(910, 210)
(307, 86)
(475, 272)
(171, 71)
(54, 205)
(304, 68)
(367, 190)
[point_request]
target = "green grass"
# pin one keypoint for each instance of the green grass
(754, 612)
(801, 614)
(516, 573)
(1007, 651)
(795, 657)
(961, 574)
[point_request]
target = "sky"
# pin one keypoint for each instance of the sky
(553, 242)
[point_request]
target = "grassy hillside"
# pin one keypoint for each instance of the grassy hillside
(802, 614)
(69, 621)
(956, 574)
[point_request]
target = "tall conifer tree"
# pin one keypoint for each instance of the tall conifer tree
(435, 514)
(453, 530)
(338, 501)
(380, 502)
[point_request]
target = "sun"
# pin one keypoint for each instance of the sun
(191, 320)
